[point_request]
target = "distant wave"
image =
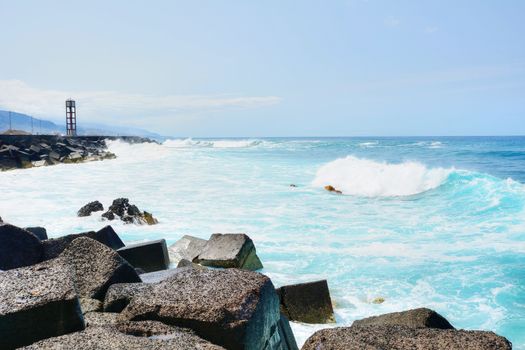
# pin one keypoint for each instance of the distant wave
(189, 143)
(368, 178)
(368, 144)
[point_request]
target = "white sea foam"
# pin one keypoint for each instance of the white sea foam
(369, 144)
(190, 143)
(364, 177)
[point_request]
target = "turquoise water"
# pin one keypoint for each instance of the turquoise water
(435, 222)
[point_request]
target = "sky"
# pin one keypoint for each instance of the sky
(215, 68)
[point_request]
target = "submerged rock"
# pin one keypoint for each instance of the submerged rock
(233, 308)
(416, 318)
(110, 337)
(402, 338)
(129, 213)
(331, 188)
(188, 247)
(37, 302)
(230, 250)
(97, 267)
(307, 302)
(18, 247)
(89, 208)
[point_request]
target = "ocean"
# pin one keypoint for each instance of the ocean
(437, 222)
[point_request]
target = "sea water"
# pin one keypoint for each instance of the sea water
(422, 222)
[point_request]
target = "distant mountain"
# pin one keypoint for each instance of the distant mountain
(24, 122)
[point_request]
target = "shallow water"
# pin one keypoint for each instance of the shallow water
(435, 222)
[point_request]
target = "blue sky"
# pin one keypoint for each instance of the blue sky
(270, 68)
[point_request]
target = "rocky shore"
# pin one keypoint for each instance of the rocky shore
(27, 151)
(91, 291)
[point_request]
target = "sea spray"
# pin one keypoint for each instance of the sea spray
(364, 177)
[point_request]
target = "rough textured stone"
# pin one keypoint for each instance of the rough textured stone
(233, 308)
(188, 247)
(97, 338)
(89, 208)
(119, 295)
(90, 305)
(230, 250)
(97, 319)
(149, 256)
(307, 302)
(402, 338)
(37, 302)
(158, 276)
(40, 232)
(107, 236)
(416, 318)
(18, 247)
(97, 267)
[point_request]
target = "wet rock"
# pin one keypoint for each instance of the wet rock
(97, 267)
(233, 308)
(286, 334)
(307, 302)
(107, 236)
(188, 247)
(149, 256)
(129, 213)
(402, 338)
(331, 188)
(40, 232)
(187, 263)
(109, 337)
(90, 305)
(37, 302)
(229, 250)
(1, 222)
(89, 208)
(18, 247)
(119, 295)
(416, 318)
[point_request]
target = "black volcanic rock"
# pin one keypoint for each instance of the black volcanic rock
(416, 318)
(97, 267)
(37, 302)
(403, 338)
(18, 247)
(89, 208)
(129, 213)
(233, 308)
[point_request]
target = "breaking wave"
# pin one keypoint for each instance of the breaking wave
(368, 178)
(190, 143)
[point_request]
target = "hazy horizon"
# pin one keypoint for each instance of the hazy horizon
(273, 69)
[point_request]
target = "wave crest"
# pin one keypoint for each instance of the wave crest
(189, 143)
(368, 178)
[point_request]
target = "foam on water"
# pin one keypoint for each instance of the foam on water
(187, 143)
(437, 227)
(364, 177)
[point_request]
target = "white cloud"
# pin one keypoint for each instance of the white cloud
(102, 106)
